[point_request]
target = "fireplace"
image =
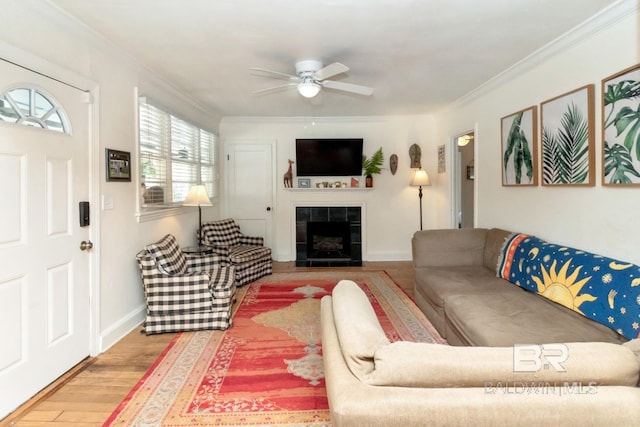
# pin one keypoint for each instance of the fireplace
(328, 241)
(328, 236)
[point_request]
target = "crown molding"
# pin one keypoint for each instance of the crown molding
(601, 21)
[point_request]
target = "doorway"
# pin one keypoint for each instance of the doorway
(45, 301)
(465, 177)
(249, 187)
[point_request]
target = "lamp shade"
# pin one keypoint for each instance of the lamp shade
(420, 178)
(197, 196)
(308, 88)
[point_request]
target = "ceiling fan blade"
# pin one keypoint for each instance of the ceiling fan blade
(330, 71)
(348, 87)
(276, 74)
(273, 88)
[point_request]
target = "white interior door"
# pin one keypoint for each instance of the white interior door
(249, 188)
(44, 276)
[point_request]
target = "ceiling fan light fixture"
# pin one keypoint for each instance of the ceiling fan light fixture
(308, 88)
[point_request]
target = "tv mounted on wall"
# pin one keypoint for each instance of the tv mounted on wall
(329, 157)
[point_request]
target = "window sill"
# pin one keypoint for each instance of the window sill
(145, 214)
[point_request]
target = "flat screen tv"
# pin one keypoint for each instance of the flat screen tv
(329, 157)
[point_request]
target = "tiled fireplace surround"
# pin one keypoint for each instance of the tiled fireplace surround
(323, 216)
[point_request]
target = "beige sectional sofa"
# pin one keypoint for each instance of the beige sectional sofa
(479, 380)
(372, 382)
(457, 288)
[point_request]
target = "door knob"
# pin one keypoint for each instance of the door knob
(268, 208)
(86, 245)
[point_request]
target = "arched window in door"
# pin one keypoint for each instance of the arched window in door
(30, 107)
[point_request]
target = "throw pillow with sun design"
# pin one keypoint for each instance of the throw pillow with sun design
(600, 288)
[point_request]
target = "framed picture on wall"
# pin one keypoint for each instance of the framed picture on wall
(118, 165)
(568, 152)
(621, 128)
(519, 148)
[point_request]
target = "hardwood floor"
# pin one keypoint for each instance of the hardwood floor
(88, 394)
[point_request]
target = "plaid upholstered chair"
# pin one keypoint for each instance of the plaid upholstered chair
(249, 256)
(185, 292)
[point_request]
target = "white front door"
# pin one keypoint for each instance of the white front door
(44, 276)
(249, 188)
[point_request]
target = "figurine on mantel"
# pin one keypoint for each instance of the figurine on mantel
(288, 176)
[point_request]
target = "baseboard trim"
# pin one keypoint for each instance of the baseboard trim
(120, 329)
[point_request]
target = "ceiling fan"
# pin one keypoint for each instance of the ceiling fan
(311, 76)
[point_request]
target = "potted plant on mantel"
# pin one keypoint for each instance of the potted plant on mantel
(372, 166)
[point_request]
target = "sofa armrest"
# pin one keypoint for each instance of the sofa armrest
(251, 240)
(200, 262)
(447, 248)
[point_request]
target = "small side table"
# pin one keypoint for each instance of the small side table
(198, 250)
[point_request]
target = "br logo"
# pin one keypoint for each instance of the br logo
(533, 358)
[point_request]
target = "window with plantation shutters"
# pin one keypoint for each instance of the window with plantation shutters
(174, 155)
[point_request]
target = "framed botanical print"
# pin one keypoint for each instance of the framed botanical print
(621, 128)
(568, 144)
(519, 148)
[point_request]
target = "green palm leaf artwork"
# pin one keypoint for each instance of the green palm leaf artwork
(517, 153)
(621, 154)
(551, 167)
(566, 152)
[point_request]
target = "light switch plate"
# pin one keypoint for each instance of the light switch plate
(107, 202)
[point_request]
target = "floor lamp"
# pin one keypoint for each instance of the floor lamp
(198, 197)
(420, 179)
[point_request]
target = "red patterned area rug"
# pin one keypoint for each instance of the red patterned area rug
(267, 369)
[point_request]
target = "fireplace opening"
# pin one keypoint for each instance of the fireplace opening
(338, 236)
(328, 241)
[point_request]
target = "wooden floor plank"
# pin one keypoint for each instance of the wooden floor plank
(93, 393)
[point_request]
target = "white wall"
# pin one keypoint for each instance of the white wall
(599, 219)
(66, 50)
(391, 209)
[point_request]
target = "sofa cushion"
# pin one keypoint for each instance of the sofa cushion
(494, 243)
(357, 327)
(446, 248)
(508, 318)
(409, 364)
(168, 255)
(245, 253)
(438, 283)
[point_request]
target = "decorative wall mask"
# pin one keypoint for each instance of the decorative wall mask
(393, 163)
(415, 153)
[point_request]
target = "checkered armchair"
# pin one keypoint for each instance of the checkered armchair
(185, 292)
(249, 256)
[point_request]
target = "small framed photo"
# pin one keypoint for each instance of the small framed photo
(304, 183)
(118, 165)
